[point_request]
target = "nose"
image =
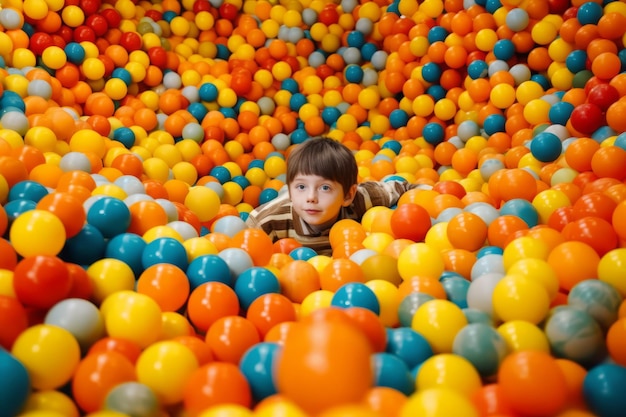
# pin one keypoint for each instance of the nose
(311, 196)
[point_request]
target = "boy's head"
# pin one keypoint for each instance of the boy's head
(321, 177)
(325, 158)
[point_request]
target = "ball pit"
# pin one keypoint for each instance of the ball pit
(136, 137)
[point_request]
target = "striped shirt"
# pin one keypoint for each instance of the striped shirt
(278, 220)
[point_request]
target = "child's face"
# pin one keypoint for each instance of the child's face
(318, 200)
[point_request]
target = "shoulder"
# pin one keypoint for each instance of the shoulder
(277, 209)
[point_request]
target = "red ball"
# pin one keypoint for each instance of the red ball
(603, 95)
(558, 6)
(90, 7)
(131, 41)
(39, 42)
(98, 24)
(410, 221)
(587, 118)
(201, 6)
(112, 16)
(228, 11)
(66, 33)
(13, 320)
(156, 15)
(84, 33)
(329, 15)
(158, 56)
(594, 231)
(41, 281)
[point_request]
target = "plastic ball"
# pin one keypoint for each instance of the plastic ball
(39, 348)
(37, 232)
(356, 294)
(166, 283)
(41, 281)
(254, 282)
(133, 316)
(80, 317)
(598, 298)
(132, 398)
(448, 371)
(546, 147)
(541, 389)
(408, 345)
(215, 385)
(435, 315)
(599, 389)
(165, 367)
(257, 366)
(345, 374)
(516, 297)
(15, 388)
(574, 334)
(482, 345)
(390, 371)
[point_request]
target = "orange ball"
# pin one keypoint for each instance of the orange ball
(324, 363)
(539, 389)
(298, 279)
(230, 337)
(165, 283)
(467, 231)
(340, 272)
(256, 243)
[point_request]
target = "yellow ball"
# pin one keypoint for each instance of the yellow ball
(439, 321)
(54, 57)
(109, 276)
(420, 259)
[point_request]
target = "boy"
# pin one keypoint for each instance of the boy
(322, 189)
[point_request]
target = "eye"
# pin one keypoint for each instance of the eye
(300, 187)
(326, 187)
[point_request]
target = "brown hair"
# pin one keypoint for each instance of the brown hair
(324, 157)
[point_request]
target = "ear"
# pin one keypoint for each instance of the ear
(349, 196)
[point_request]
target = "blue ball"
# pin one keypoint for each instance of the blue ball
(394, 145)
(431, 72)
(330, 115)
(221, 174)
(603, 390)
(74, 52)
(109, 215)
(576, 61)
(494, 123)
(367, 50)
(489, 250)
(254, 282)
(437, 92)
(290, 85)
(546, 147)
(504, 49)
(355, 39)
(456, 290)
(589, 13)
(85, 247)
(302, 253)
(398, 118)
(208, 268)
(123, 74)
(620, 141)
(408, 345)
(477, 69)
(14, 385)
(474, 315)
(125, 136)
(27, 190)
(353, 73)
(165, 250)
(433, 133)
(296, 101)
(257, 365)
(128, 248)
(437, 34)
(197, 110)
(267, 195)
(392, 372)
(356, 294)
(208, 92)
(482, 345)
(521, 208)
(560, 112)
(16, 207)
